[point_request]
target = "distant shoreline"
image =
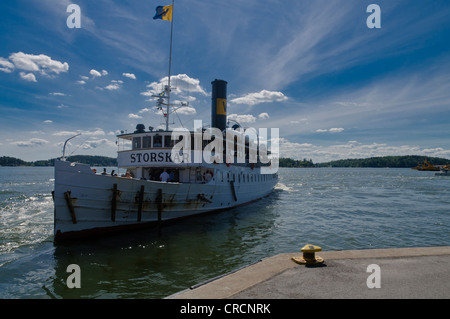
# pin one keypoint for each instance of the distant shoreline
(7, 161)
(405, 161)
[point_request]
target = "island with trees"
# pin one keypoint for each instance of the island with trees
(408, 161)
(85, 159)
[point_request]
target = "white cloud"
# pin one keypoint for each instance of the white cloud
(242, 118)
(148, 93)
(336, 130)
(30, 143)
(113, 86)
(104, 72)
(95, 73)
(65, 133)
(48, 121)
(331, 130)
(6, 66)
(37, 63)
(30, 77)
(263, 116)
(263, 96)
(180, 83)
(303, 121)
(57, 94)
(186, 110)
(82, 82)
(129, 75)
(96, 132)
(95, 143)
(145, 110)
(134, 116)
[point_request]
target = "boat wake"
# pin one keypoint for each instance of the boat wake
(282, 187)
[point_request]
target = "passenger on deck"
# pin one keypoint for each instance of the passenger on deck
(127, 175)
(208, 176)
(164, 177)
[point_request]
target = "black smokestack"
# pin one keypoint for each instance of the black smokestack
(219, 104)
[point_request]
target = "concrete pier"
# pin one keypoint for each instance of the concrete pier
(402, 273)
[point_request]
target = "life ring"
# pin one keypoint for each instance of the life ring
(228, 164)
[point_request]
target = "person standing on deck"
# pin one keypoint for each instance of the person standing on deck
(164, 177)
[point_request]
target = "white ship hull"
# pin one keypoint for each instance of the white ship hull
(87, 203)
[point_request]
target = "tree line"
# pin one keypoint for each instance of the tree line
(408, 161)
(85, 159)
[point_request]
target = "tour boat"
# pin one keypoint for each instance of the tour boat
(88, 202)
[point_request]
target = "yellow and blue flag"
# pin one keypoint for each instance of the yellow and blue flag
(164, 13)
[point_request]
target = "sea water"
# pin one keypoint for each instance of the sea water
(334, 208)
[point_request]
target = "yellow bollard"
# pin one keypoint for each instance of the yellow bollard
(309, 256)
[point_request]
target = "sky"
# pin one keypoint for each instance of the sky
(334, 87)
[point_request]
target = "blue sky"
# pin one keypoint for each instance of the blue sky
(334, 87)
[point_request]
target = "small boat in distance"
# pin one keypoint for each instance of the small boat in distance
(426, 167)
(444, 171)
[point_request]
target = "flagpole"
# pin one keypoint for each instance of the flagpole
(170, 68)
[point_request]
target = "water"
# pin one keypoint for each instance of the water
(330, 207)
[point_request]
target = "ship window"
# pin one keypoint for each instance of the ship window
(157, 141)
(168, 142)
(146, 142)
(136, 142)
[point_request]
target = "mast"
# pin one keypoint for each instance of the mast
(168, 89)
